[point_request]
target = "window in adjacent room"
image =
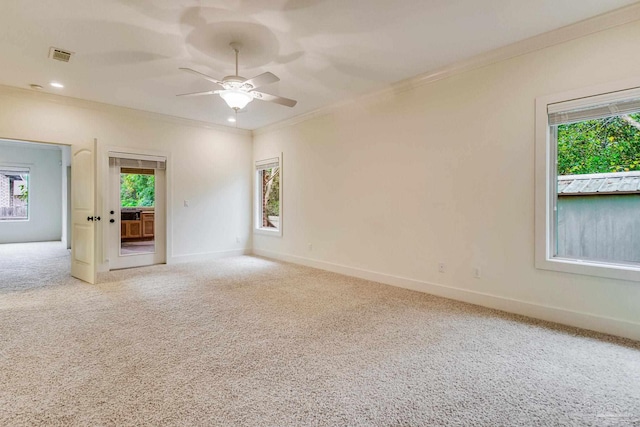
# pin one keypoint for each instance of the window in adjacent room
(14, 194)
(592, 185)
(269, 191)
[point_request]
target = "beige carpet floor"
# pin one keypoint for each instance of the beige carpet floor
(247, 341)
(26, 266)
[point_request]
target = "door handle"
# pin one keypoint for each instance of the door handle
(97, 218)
(89, 218)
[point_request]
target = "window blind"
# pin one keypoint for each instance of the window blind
(13, 169)
(268, 163)
(137, 163)
(595, 107)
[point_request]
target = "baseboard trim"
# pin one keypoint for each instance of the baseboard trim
(608, 325)
(207, 256)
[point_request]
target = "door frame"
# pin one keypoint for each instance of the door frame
(102, 255)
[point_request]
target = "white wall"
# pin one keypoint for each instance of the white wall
(45, 193)
(387, 188)
(210, 166)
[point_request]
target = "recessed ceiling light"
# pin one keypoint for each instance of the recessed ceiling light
(35, 86)
(56, 84)
(231, 120)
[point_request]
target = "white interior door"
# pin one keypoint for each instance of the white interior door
(83, 191)
(133, 247)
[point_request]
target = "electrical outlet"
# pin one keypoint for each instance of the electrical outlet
(186, 203)
(441, 268)
(477, 273)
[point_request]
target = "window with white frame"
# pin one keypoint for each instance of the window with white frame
(14, 193)
(588, 184)
(269, 193)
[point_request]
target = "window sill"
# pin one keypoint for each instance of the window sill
(591, 268)
(268, 232)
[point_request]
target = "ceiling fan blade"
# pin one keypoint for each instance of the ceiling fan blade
(206, 92)
(261, 80)
(204, 76)
(274, 98)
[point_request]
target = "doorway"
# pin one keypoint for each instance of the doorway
(137, 217)
(34, 214)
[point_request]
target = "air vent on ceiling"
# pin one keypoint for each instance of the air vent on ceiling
(59, 54)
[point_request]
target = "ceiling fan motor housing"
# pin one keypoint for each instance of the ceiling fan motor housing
(234, 82)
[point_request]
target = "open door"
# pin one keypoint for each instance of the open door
(83, 218)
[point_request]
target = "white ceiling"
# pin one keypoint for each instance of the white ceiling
(127, 52)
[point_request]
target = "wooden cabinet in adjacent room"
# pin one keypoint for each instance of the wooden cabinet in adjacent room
(148, 219)
(130, 229)
(137, 225)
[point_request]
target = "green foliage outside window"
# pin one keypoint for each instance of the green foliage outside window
(270, 179)
(137, 190)
(600, 146)
(273, 203)
(24, 189)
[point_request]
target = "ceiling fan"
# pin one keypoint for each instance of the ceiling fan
(238, 91)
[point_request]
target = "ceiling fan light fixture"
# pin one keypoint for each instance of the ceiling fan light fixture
(238, 91)
(235, 98)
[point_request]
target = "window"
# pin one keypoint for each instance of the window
(137, 187)
(588, 184)
(14, 194)
(269, 194)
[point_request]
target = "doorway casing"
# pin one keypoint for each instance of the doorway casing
(104, 202)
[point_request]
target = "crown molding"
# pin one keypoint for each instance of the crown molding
(618, 17)
(99, 106)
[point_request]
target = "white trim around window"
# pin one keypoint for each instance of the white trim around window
(581, 103)
(20, 167)
(260, 167)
